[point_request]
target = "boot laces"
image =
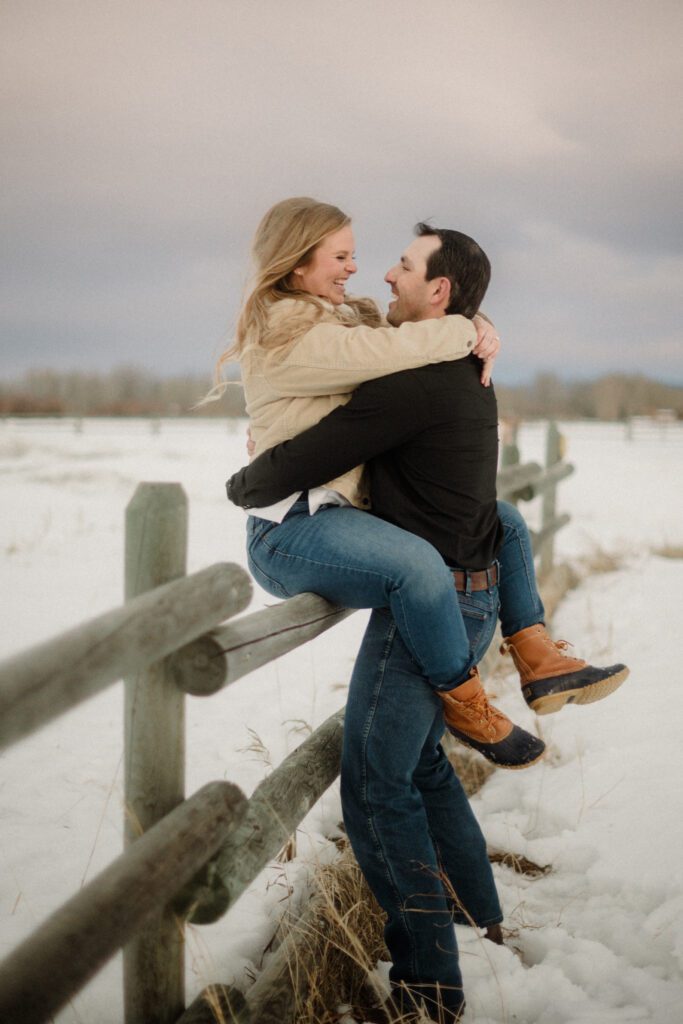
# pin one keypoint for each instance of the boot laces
(561, 646)
(479, 709)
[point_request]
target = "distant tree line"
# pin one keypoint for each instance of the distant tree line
(613, 397)
(129, 391)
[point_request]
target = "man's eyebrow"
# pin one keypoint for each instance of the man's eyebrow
(405, 262)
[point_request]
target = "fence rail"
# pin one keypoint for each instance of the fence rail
(184, 859)
(64, 952)
(43, 682)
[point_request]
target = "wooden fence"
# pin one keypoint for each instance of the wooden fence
(184, 859)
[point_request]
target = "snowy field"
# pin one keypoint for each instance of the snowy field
(597, 939)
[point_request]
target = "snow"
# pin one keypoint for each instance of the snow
(597, 939)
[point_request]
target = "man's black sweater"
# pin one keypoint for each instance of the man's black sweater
(429, 439)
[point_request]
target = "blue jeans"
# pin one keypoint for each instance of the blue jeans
(520, 604)
(406, 814)
(359, 561)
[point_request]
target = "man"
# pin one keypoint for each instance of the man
(429, 439)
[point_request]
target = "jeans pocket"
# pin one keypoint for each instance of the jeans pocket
(479, 613)
(264, 580)
(257, 528)
(473, 611)
(257, 552)
(481, 604)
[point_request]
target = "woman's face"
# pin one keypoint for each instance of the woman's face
(330, 267)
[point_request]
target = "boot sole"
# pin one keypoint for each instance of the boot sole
(507, 767)
(552, 702)
(482, 748)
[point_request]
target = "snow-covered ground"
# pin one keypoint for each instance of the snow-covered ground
(597, 939)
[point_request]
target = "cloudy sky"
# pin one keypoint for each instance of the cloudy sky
(142, 142)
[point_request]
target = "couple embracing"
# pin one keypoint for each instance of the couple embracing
(374, 485)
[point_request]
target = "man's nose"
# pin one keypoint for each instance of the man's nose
(390, 276)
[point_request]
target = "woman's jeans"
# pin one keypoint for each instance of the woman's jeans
(358, 561)
(520, 603)
(406, 814)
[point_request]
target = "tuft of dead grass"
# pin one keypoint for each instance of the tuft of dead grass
(668, 551)
(324, 968)
(338, 943)
(600, 561)
(257, 747)
(522, 865)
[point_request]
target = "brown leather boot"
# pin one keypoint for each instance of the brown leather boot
(475, 722)
(551, 678)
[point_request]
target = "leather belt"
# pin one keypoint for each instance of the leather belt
(482, 579)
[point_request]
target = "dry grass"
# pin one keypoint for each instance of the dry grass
(257, 748)
(324, 967)
(522, 865)
(326, 958)
(338, 944)
(669, 551)
(600, 561)
(323, 970)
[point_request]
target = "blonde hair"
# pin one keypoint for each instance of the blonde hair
(286, 239)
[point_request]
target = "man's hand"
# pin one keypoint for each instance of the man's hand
(487, 346)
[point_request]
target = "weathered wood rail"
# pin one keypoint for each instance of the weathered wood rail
(184, 859)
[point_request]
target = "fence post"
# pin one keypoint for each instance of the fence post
(154, 750)
(553, 454)
(509, 447)
(510, 456)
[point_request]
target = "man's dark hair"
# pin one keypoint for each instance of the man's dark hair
(464, 263)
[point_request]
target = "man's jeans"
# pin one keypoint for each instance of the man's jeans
(407, 816)
(359, 561)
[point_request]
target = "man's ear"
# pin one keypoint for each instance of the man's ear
(440, 291)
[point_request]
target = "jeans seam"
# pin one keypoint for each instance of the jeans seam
(379, 849)
(529, 575)
(526, 564)
(326, 565)
(275, 584)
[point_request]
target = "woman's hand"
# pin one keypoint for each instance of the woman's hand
(251, 444)
(487, 346)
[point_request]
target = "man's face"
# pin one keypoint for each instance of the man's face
(409, 286)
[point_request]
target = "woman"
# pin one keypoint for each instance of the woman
(303, 348)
